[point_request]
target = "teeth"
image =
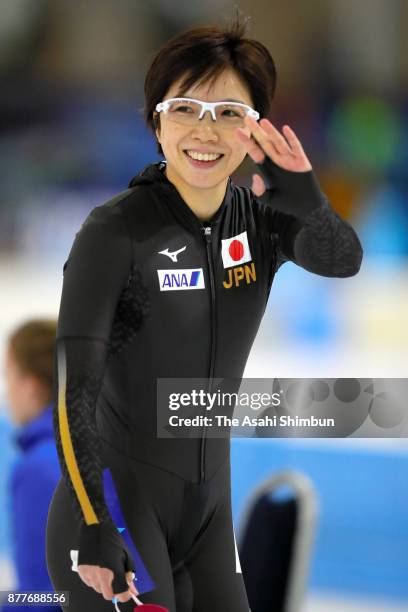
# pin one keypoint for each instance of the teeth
(203, 156)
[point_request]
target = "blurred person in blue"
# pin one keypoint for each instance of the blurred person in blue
(28, 372)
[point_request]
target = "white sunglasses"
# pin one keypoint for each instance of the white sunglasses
(199, 107)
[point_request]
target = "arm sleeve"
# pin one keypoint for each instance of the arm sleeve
(95, 274)
(306, 229)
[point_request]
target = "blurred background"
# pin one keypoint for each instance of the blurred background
(72, 135)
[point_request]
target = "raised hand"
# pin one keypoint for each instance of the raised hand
(285, 149)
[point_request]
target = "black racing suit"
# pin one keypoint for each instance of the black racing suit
(150, 291)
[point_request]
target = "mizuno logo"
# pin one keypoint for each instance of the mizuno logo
(173, 280)
(172, 254)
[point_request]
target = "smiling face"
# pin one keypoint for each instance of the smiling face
(207, 136)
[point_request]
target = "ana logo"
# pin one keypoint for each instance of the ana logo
(172, 254)
(235, 250)
(173, 280)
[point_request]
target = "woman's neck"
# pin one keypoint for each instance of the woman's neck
(203, 202)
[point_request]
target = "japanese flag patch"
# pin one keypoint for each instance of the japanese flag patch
(235, 250)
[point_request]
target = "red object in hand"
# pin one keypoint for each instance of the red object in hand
(144, 607)
(147, 607)
(150, 608)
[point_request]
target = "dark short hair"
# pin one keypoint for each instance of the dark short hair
(201, 54)
(32, 348)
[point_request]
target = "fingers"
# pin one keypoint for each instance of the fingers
(267, 135)
(280, 142)
(100, 579)
(130, 576)
(123, 595)
(293, 144)
(264, 138)
(258, 185)
(293, 140)
(87, 575)
(253, 149)
(105, 577)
